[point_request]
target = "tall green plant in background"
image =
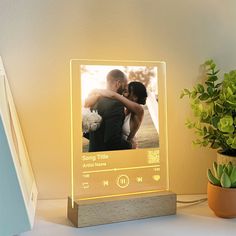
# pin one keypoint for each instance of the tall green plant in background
(213, 103)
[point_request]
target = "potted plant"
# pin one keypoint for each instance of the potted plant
(213, 102)
(221, 190)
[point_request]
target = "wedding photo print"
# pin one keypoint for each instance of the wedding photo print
(119, 107)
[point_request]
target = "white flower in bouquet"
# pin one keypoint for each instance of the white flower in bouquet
(91, 120)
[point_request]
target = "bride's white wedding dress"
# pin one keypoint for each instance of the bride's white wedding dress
(152, 105)
(126, 127)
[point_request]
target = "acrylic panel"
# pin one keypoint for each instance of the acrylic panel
(118, 142)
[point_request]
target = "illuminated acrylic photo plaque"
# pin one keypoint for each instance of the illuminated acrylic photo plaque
(17, 184)
(118, 129)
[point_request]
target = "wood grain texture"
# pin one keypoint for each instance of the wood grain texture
(124, 208)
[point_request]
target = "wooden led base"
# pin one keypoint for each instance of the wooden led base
(123, 208)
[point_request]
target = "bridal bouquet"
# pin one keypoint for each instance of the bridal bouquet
(91, 120)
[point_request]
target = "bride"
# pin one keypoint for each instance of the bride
(133, 99)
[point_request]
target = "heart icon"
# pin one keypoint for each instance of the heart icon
(156, 177)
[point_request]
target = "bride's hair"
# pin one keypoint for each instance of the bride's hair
(139, 90)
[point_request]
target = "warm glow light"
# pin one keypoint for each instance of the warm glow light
(131, 172)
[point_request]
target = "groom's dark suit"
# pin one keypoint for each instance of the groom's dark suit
(109, 135)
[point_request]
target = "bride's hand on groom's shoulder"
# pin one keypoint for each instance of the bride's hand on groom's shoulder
(94, 92)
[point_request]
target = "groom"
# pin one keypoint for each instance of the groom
(109, 135)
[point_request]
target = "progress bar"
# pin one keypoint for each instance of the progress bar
(118, 169)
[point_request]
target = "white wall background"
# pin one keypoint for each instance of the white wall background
(37, 39)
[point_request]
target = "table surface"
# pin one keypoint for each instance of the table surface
(194, 219)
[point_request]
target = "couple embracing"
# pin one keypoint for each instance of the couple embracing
(120, 106)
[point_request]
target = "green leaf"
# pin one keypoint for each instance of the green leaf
(203, 97)
(212, 178)
(216, 92)
(218, 85)
(215, 120)
(218, 108)
(189, 124)
(215, 169)
(215, 99)
(216, 72)
(200, 88)
(229, 91)
(182, 95)
(210, 130)
(215, 145)
(233, 175)
(229, 141)
(205, 143)
(208, 62)
(225, 181)
(230, 168)
(210, 84)
(233, 185)
(213, 72)
(213, 66)
(220, 171)
(212, 78)
(233, 144)
(225, 170)
(226, 124)
(194, 94)
(210, 91)
(204, 115)
(186, 91)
